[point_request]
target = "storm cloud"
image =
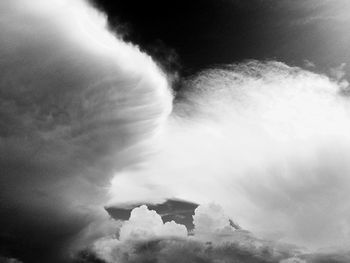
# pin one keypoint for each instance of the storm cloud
(88, 121)
(77, 103)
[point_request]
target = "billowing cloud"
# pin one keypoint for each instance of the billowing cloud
(143, 225)
(146, 224)
(267, 142)
(220, 243)
(145, 237)
(212, 224)
(76, 104)
(79, 108)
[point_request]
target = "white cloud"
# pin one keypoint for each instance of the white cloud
(143, 225)
(145, 237)
(267, 142)
(147, 224)
(212, 224)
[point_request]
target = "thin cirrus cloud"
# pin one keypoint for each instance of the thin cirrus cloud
(77, 103)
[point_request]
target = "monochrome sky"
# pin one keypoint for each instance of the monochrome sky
(190, 131)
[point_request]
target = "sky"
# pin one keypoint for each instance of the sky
(203, 33)
(201, 131)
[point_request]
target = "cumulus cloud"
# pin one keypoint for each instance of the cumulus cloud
(146, 224)
(151, 241)
(76, 104)
(143, 225)
(212, 224)
(267, 142)
(145, 237)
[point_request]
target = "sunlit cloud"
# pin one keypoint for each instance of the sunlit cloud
(266, 141)
(213, 240)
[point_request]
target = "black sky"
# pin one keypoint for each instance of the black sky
(205, 33)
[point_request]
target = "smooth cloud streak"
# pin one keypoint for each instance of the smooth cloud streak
(76, 104)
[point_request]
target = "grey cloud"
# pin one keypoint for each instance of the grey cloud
(75, 107)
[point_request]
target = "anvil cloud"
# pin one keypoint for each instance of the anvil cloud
(88, 121)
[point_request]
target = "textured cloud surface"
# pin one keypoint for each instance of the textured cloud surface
(85, 123)
(76, 104)
(220, 243)
(268, 142)
(214, 240)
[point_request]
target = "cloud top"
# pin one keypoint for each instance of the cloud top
(266, 141)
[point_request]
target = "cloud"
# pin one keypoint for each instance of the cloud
(76, 104)
(293, 260)
(150, 241)
(267, 142)
(211, 224)
(142, 226)
(146, 224)
(145, 237)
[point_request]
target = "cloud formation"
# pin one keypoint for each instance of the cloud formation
(221, 242)
(267, 142)
(146, 224)
(76, 104)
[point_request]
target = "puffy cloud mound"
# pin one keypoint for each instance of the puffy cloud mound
(146, 224)
(212, 224)
(143, 225)
(145, 238)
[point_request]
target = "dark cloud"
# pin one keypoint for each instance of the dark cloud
(76, 105)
